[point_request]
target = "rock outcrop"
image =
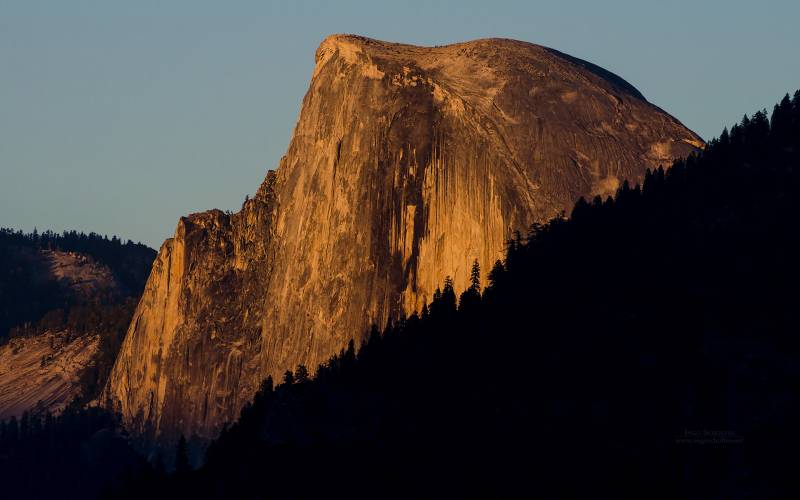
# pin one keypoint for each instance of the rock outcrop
(40, 373)
(406, 164)
(83, 278)
(41, 367)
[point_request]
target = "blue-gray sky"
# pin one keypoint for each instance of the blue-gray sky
(119, 117)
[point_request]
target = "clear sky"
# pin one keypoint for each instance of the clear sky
(120, 116)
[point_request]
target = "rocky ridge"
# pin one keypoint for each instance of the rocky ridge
(406, 164)
(41, 373)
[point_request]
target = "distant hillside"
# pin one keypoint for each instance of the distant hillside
(29, 281)
(646, 347)
(65, 302)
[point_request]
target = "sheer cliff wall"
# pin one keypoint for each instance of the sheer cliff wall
(406, 164)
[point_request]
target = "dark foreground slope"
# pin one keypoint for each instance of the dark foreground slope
(645, 348)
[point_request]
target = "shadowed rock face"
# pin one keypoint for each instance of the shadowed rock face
(406, 164)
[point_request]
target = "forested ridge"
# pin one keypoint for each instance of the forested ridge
(130, 262)
(644, 347)
(73, 455)
(32, 301)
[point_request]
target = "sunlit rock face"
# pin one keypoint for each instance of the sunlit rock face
(407, 163)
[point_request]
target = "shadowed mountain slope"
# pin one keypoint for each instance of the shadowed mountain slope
(65, 302)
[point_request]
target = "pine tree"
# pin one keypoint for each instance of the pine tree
(448, 283)
(475, 277)
(349, 357)
(781, 122)
(448, 299)
(496, 274)
(301, 374)
(471, 297)
(267, 386)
